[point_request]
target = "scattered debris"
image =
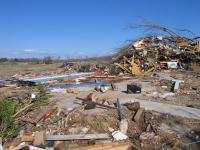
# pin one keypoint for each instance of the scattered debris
(120, 116)
(133, 106)
(91, 101)
(139, 115)
(103, 88)
(63, 91)
(25, 83)
(172, 65)
(48, 114)
(123, 126)
(168, 70)
(176, 85)
(119, 136)
(25, 146)
(146, 54)
(133, 88)
(148, 136)
(73, 91)
(111, 146)
(39, 138)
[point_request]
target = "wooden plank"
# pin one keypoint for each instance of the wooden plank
(123, 68)
(39, 138)
(77, 137)
(135, 68)
(127, 60)
(139, 116)
(112, 146)
(29, 120)
(23, 109)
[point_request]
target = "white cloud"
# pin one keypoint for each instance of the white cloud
(27, 53)
(38, 52)
(34, 51)
(29, 50)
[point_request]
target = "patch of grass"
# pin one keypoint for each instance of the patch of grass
(41, 88)
(8, 69)
(41, 97)
(7, 127)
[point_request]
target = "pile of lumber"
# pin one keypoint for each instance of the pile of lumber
(148, 53)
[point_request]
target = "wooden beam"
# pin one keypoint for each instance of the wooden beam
(112, 146)
(123, 68)
(23, 109)
(127, 60)
(77, 137)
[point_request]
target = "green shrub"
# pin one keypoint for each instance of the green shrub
(41, 88)
(7, 127)
(41, 97)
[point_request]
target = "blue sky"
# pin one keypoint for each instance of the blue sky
(36, 28)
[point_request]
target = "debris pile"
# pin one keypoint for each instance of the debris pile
(156, 52)
(68, 110)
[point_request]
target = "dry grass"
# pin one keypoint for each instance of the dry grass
(8, 69)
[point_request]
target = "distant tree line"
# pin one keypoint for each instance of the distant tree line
(50, 60)
(3, 59)
(45, 60)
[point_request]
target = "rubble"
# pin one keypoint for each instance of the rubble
(139, 115)
(39, 138)
(130, 123)
(146, 54)
(118, 135)
(109, 103)
(103, 88)
(148, 136)
(176, 85)
(133, 106)
(133, 88)
(25, 146)
(123, 126)
(63, 91)
(73, 91)
(25, 83)
(113, 146)
(91, 101)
